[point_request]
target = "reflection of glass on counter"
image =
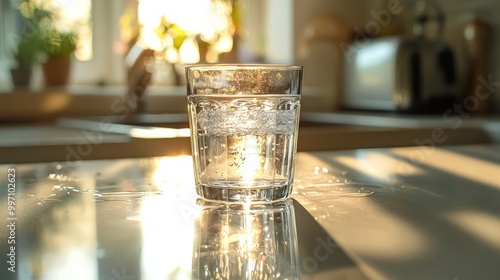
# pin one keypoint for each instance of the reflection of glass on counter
(252, 241)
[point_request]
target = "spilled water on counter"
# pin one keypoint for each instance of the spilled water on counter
(326, 193)
(318, 183)
(57, 186)
(323, 182)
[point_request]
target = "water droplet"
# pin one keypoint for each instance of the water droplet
(324, 169)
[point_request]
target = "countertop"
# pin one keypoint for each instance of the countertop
(392, 213)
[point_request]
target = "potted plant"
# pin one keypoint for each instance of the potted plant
(26, 54)
(27, 48)
(58, 47)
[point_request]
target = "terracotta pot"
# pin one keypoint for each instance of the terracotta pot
(56, 71)
(21, 77)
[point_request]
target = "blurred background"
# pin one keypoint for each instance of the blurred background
(84, 58)
(97, 36)
(236, 31)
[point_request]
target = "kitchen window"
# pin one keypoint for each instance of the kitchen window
(98, 59)
(99, 79)
(105, 28)
(108, 26)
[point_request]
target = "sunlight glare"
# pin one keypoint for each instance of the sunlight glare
(173, 172)
(250, 165)
(210, 19)
(189, 52)
(168, 221)
(167, 227)
(470, 168)
(482, 225)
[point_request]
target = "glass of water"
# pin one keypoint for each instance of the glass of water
(244, 126)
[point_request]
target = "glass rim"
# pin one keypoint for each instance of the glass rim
(226, 67)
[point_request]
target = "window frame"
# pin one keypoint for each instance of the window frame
(106, 66)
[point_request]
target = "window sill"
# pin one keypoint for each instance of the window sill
(77, 101)
(42, 105)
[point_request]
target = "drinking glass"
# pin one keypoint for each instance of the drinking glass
(244, 126)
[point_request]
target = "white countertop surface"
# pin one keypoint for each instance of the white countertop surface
(415, 213)
(391, 213)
